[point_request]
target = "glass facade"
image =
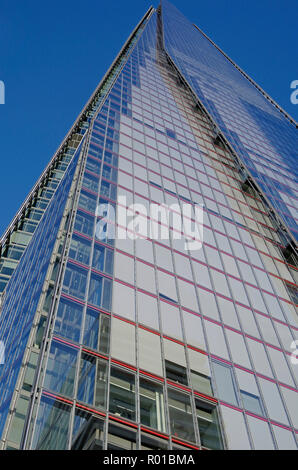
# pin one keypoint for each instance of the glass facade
(265, 140)
(140, 343)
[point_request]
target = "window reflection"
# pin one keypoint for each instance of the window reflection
(80, 250)
(97, 331)
(61, 368)
(87, 432)
(51, 431)
(92, 381)
(75, 280)
(68, 319)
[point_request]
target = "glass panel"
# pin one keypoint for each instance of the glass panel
(61, 368)
(100, 291)
(84, 223)
(122, 394)
(69, 319)
(30, 371)
(152, 405)
(90, 182)
(252, 402)
(148, 443)
(176, 372)
(201, 382)
(208, 425)
(75, 280)
(92, 381)
(80, 249)
(87, 201)
(121, 438)
(225, 383)
(51, 431)
(181, 420)
(95, 290)
(17, 425)
(102, 259)
(87, 432)
(97, 328)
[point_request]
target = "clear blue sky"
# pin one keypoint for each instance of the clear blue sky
(53, 54)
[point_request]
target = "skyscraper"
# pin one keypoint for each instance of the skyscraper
(120, 338)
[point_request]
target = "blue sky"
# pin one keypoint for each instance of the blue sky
(53, 54)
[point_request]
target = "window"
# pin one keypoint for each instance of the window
(194, 330)
(150, 352)
(108, 190)
(123, 300)
(225, 383)
(100, 291)
(201, 382)
(87, 432)
(149, 443)
(122, 394)
(170, 317)
(147, 310)
(68, 319)
(28, 226)
(260, 433)
(152, 405)
(208, 425)
(102, 259)
(13, 252)
(181, 420)
(216, 339)
(176, 372)
(293, 292)
(90, 182)
(123, 341)
(92, 381)
(61, 366)
(171, 133)
(51, 431)
(87, 201)
(109, 173)
(80, 250)
(121, 438)
(84, 223)
(252, 402)
(18, 421)
(93, 165)
(97, 331)
(75, 281)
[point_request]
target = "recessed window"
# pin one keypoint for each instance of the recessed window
(152, 405)
(201, 383)
(208, 425)
(293, 292)
(121, 438)
(149, 443)
(181, 419)
(122, 394)
(252, 402)
(176, 372)
(171, 133)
